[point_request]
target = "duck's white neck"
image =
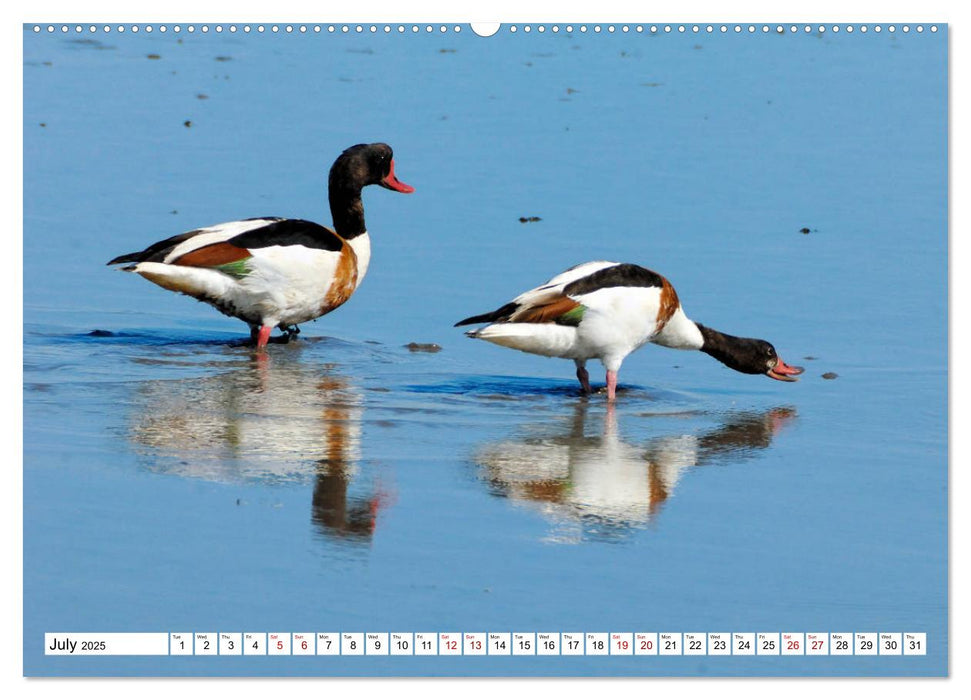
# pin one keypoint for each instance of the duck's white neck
(680, 332)
(361, 245)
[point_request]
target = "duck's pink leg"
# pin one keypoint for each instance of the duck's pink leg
(611, 385)
(263, 338)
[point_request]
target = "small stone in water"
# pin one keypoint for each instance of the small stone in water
(423, 347)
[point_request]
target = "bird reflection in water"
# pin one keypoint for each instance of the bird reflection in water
(599, 486)
(334, 510)
(272, 421)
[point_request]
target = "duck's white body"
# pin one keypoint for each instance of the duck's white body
(276, 285)
(616, 323)
(598, 310)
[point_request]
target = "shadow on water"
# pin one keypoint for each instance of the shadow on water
(196, 338)
(266, 421)
(100, 337)
(581, 474)
(498, 386)
(113, 356)
(487, 386)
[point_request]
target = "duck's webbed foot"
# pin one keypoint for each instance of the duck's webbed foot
(289, 333)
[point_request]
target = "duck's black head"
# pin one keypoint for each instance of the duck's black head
(366, 164)
(747, 355)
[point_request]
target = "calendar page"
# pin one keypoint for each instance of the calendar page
(436, 349)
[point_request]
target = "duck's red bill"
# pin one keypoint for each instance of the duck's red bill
(784, 372)
(393, 183)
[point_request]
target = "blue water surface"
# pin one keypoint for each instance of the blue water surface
(175, 481)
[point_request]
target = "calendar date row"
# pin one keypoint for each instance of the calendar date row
(488, 644)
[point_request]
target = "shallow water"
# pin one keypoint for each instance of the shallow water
(175, 481)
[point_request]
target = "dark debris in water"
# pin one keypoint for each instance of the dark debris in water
(830, 375)
(224, 58)
(91, 43)
(187, 123)
(153, 57)
(685, 413)
(805, 230)
(810, 357)
(446, 51)
(423, 347)
(528, 219)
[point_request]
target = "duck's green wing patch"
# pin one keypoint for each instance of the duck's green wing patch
(237, 268)
(571, 317)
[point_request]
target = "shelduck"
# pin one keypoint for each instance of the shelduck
(272, 271)
(607, 310)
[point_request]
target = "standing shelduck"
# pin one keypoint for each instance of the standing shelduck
(607, 310)
(272, 271)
